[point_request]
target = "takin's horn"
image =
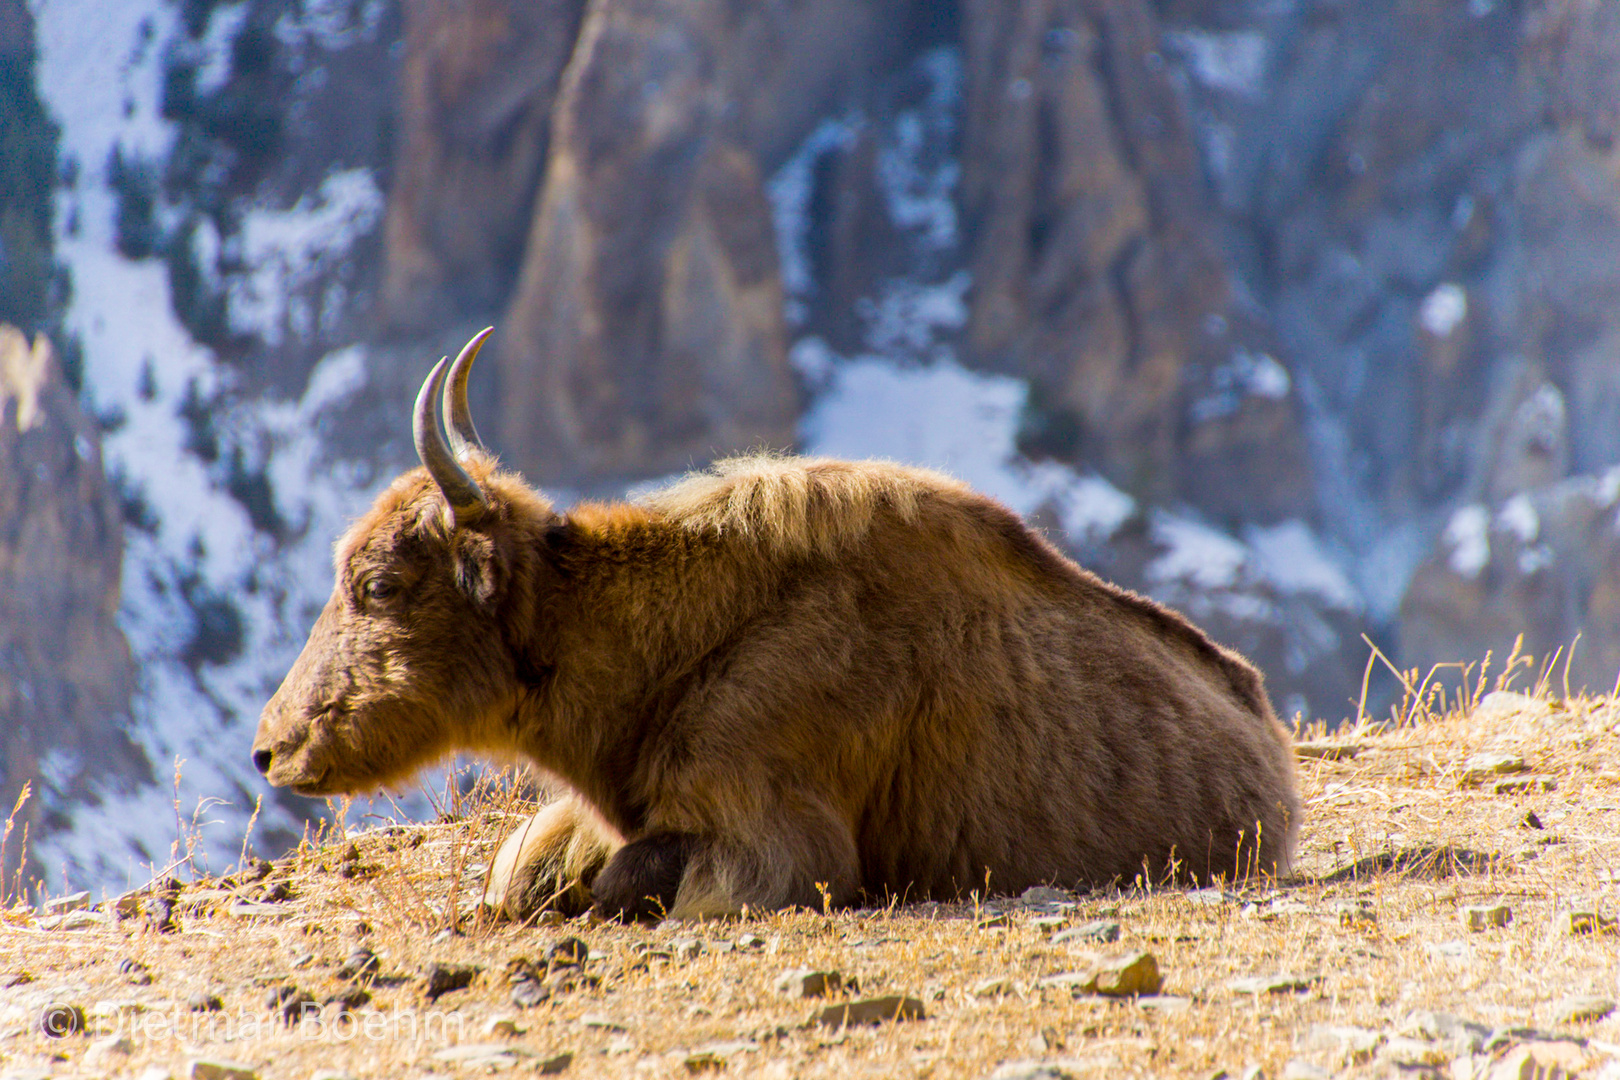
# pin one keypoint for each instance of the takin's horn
(458, 421)
(466, 501)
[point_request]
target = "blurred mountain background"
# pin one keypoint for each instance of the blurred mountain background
(1300, 315)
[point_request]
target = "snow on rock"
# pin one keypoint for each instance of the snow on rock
(285, 250)
(1291, 558)
(1467, 536)
(1443, 309)
(1234, 62)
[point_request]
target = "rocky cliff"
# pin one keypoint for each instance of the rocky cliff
(1294, 314)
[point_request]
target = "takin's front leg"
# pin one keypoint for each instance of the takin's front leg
(551, 861)
(802, 858)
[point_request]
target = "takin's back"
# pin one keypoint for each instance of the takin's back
(971, 700)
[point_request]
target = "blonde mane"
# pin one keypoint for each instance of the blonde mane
(795, 505)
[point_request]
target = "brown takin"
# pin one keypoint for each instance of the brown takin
(781, 681)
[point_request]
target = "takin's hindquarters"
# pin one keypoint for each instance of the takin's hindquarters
(925, 703)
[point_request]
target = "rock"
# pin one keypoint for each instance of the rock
(1485, 917)
(78, 901)
(1100, 931)
(109, 1052)
(1119, 976)
(1463, 1036)
(714, 1057)
(871, 1011)
(527, 993)
(1344, 1044)
(503, 1026)
(1357, 914)
(219, 1069)
(1530, 821)
(59, 1020)
(203, 1001)
(293, 1005)
(134, 972)
(1481, 767)
(686, 948)
(807, 983)
(1539, 1061)
(1058, 1069)
(10, 979)
(1584, 921)
(1403, 1052)
(481, 1053)
(999, 921)
(570, 951)
(1299, 1069)
(1164, 1003)
(1271, 984)
(349, 999)
(1047, 923)
(1045, 894)
(750, 943)
(362, 963)
(601, 1022)
(555, 1064)
(441, 979)
(998, 986)
(1582, 1009)
(248, 909)
(1516, 785)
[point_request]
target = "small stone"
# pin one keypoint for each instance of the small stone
(275, 892)
(527, 993)
(1043, 894)
(1327, 751)
(10, 979)
(1048, 923)
(1464, 1036)
(349, 999)
(998, 921)
(362, 963)
(570, 951)
(871, 1011)
(295, 1006)
(78, 901)
(1582, 1009)
(248, 909)
(470, 1053)
(1359, 914)
(1518, 785)
(1481, 767)
(808, 983)
(994, 988)
(1347, 1045)
(303, 960)
(441, 979)
(134, 972)
(504, 1026)
(59, 1020)
(1100, 931)
(1530, 821)
(1299, 1069)
(555, 1064)
(601, 1022)
(1270, 984)
(203, 1001)
(74, 920)
(686, 948)
(109, 1051)
(219, 1069)
(1583, 921)
(1055, 1069)
(1164, 1003)
(1485, 917)
(1134, 973)
(750, 943)
(1407, 1053)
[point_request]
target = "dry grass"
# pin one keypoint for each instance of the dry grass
(1397, 840)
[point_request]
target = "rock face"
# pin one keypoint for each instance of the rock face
(65, 672)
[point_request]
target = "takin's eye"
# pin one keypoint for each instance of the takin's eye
(379, 590)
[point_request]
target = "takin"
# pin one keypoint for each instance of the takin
(782, 681)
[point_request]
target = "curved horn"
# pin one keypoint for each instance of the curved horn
(458, 422)
(460, 491)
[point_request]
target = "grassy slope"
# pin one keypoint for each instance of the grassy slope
(1404, 790)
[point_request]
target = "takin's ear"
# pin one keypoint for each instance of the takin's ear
(480, 568)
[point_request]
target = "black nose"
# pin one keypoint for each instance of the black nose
(261, 761)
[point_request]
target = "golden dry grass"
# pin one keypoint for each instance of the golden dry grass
(1398, 839)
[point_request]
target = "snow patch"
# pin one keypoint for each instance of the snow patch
(1519, 517)
(1234, 62)
(1443, 309)
(1466, 534)
(1291, 558)
(285, 250)
(1244, 374)
(1194, 554)
(214, 66)
(790, 189)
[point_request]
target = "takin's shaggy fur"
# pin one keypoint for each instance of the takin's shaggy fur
(784, 681)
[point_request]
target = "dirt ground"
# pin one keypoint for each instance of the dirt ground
(1501, 810)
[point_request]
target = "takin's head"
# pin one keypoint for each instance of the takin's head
(416, 653)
